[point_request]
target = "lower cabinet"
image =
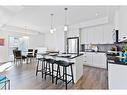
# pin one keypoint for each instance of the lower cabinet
(95, 59)
(117, 78)
(88, 59)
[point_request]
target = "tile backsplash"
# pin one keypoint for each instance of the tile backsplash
(103, 47)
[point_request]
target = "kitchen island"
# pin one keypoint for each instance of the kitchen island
(117, 68)
(76, 58)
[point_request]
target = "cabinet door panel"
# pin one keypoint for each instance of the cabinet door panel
(99, 60)
(107, 34)
(98, 35)
(85, 59)
(89, 59)
(122, 22)
(101, 34)
(92, 35)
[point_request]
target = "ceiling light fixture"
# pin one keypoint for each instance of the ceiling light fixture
(65, 25)
(52, 29)
(25, 37)
(96, 14)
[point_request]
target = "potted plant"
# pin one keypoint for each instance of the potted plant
(124, 49)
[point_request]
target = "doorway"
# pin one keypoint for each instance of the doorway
(19, 43)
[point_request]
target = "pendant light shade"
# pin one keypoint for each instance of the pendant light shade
(52, 29)
(65, 26)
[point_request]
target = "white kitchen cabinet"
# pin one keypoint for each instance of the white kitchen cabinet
(98, 35)
(95, 59)
(90, 35)
(101, 34)
(108, 34)
(89, 59)
(99, 60)
(117, 78)
(122, 23)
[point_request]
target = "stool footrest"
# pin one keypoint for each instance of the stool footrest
(60, 78)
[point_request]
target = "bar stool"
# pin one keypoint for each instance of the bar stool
(64, 64)
(49, 68)
(42, 60)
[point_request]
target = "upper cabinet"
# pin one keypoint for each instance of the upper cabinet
(108, 34)
(101, 34)
(121, 22)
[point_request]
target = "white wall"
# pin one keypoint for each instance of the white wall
(55, 41)
(36, 41)
(4, 49)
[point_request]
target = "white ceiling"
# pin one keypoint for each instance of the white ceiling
(38, 17)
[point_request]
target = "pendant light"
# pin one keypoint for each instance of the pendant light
(25, 36)
(52, 29)
(65, 26)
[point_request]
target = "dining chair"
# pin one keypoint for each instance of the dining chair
(18, 56)
(32, 54)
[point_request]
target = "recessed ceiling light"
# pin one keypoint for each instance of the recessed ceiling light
(96, 14)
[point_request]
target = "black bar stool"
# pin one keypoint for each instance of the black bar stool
(42, 70)
(49, 68)
(64, 64)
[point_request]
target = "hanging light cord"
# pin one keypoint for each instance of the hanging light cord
(66, 15)
(25, 29)
(51, 21)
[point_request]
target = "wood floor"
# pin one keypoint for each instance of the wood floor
(23, 77)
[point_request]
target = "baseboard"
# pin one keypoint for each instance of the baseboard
(4, 62)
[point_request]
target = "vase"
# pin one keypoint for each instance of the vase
(125, 54)
(121, 54)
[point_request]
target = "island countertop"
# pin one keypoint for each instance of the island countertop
(117, 60)
(63, 55)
